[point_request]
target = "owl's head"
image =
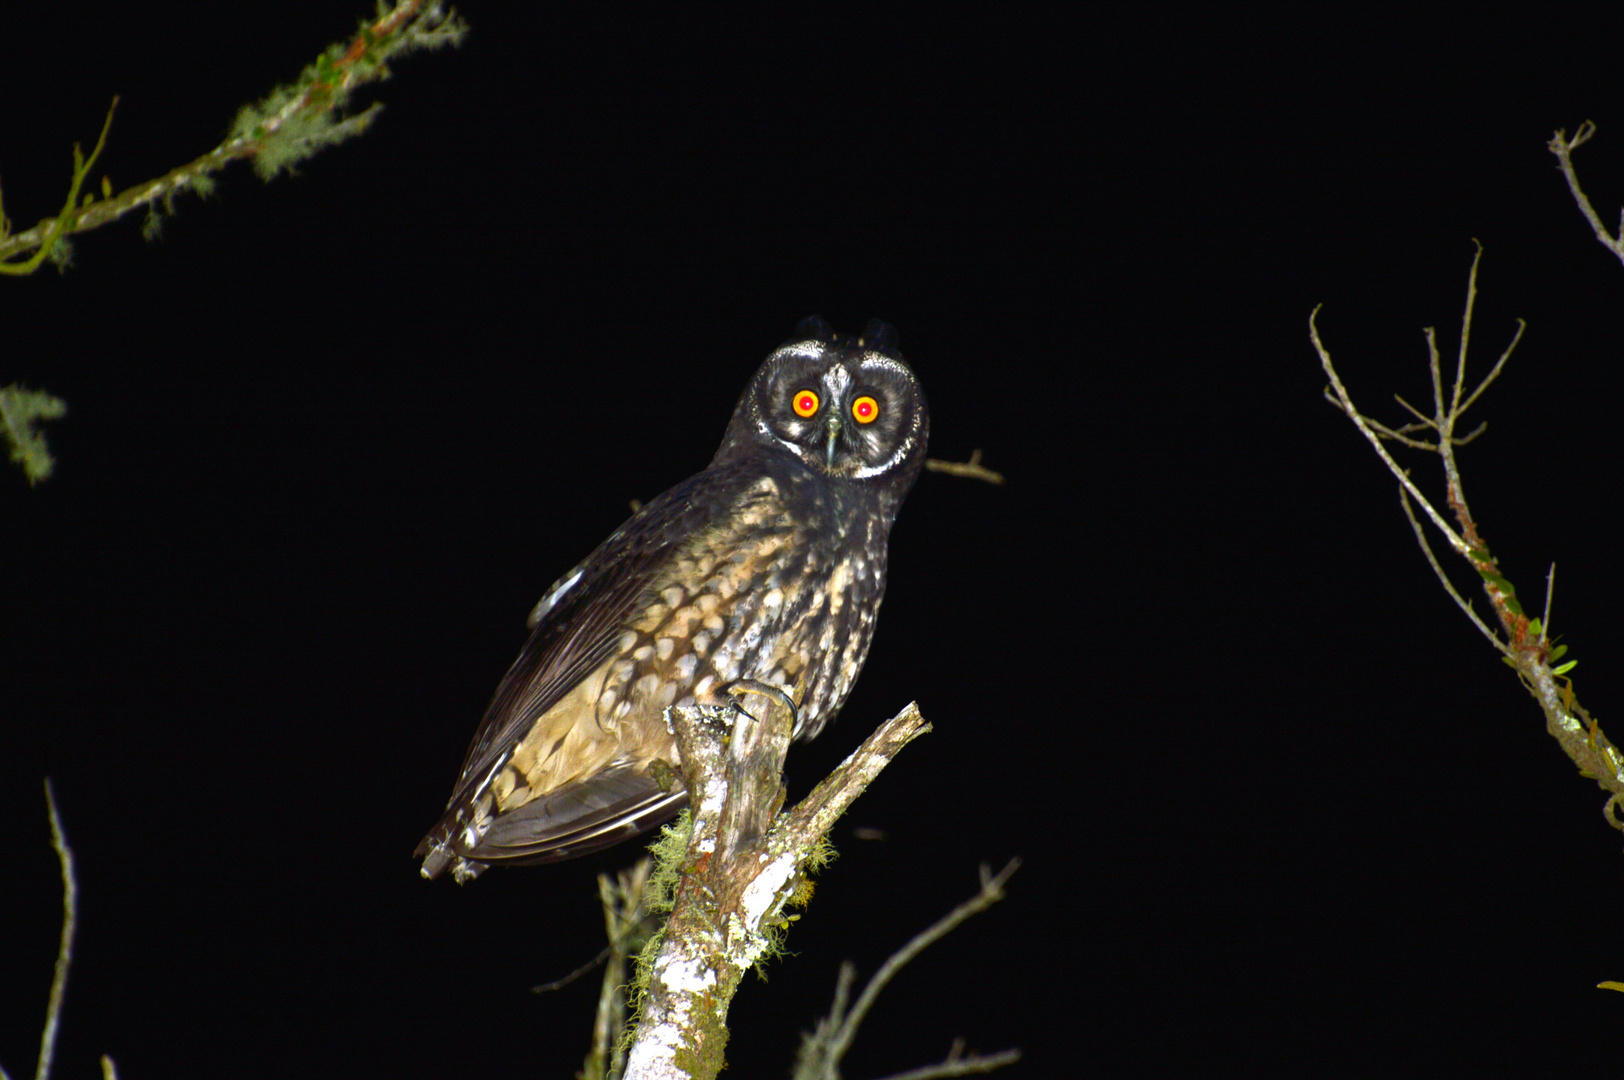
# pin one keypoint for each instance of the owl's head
(847, 407)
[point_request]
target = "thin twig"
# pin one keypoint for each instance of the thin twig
(843, 985)
(52, 229)
(64, 953)
(821, 1057)
(290, 131)
(972, 469)
(1563, 148)
(1545, 623)
(1426, 420)
(1396, 434)
(560, 983)
(1345, 403)
(992, 891)
(1494, 373)
(1426, 548)
(1465, 338)
(957, 1064)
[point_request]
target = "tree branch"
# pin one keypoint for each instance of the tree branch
(1563, 147)
(743, 864)
(64, 950)
(957, 1064)
(822, 1051)
(288, 126)
(971, 470)
(1527, 646)
(627, 923)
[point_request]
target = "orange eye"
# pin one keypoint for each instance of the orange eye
(805, 403)
(865, 409)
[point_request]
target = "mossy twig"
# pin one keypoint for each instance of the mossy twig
(292, 123)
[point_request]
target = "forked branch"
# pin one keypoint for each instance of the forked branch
(1524, 642)
(1563, 147)
(822, 1050)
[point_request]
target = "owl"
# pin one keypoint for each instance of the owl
(766, 568)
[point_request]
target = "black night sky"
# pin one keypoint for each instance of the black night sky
(1282, 810)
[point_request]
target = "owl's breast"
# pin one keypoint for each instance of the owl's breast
(782, 590)
(810, 616)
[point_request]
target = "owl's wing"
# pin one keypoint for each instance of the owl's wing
(576, 628)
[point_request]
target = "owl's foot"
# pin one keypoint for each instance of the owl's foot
(738, 689)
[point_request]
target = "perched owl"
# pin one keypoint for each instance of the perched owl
(768, 566)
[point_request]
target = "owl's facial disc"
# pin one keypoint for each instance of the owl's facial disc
(849, 409)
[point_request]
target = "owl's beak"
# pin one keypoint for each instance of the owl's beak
(834, 437)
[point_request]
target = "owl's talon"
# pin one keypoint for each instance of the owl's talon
(736, 690)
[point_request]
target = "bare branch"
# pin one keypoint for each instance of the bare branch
(1526, 646)
(822, 1052)
(1563, 148)
(1345, 403)
(972, 469)
(1550, 587)
(1449, 587)
(957, 1064)
(64, 952)
(1425, 420)
(1494, 373)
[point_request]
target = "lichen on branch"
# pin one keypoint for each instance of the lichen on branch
(21, 412)
(742, 862)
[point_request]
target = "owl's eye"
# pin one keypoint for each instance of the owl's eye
(865, 409)
(805, 403)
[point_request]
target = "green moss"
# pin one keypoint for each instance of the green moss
(670, 852)
(710, 1057)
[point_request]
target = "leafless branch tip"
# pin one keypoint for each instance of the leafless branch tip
(972, 469)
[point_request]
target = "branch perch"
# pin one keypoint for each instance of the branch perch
(742, 865)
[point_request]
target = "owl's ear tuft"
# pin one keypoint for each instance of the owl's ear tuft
(814, 328)
(881, 337)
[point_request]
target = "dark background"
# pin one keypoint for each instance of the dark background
(329, 439)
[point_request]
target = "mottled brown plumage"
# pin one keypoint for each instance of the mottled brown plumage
(768, 566)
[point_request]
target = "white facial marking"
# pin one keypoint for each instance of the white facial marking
(837, 380)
